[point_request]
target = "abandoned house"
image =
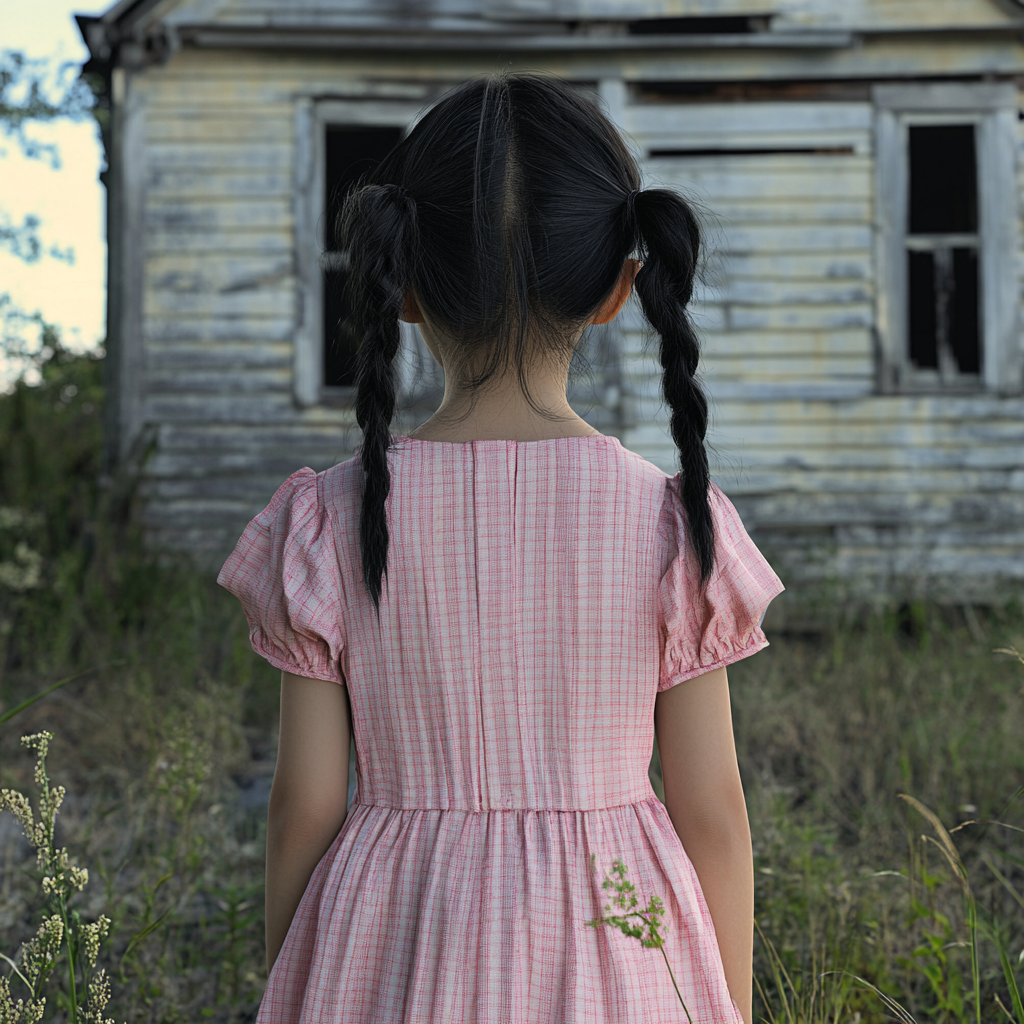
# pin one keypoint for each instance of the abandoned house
(856, 162)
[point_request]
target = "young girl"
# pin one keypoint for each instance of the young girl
(505, 606)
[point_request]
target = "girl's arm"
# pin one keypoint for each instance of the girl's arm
(309, 797)
(704, 799)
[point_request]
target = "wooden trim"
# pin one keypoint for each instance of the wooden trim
(928, 243)
(128, 267)
(309, 184)
(115, 289)
(489, 41)
(890, 265)
(373, 111)
(946, 97)
(999, 253)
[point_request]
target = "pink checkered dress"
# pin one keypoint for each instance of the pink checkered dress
(539, 596)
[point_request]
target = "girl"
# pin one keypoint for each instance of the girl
(504, 604)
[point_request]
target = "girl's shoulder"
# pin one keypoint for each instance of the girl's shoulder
(307, 491)
(624, 471)
(341, 486)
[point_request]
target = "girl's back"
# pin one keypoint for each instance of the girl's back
(539, 595)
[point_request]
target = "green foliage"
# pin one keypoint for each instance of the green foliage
(23, 240)
(33, 90)
(931, 961)
(625, 899)
(49, 504)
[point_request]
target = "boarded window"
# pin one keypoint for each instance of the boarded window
(350, 152)
(943, 330)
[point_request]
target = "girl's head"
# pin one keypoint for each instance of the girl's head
(507, 215)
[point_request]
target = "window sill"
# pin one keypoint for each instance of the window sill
(929, 384)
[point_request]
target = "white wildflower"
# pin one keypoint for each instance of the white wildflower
(99, 996)
(92, 936)
(39, 742)
(20, 1012)
(17, 803)
(25, 571)
(18, 518)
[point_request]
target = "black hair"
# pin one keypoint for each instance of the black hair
(509, 211)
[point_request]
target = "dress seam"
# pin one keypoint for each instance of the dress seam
(513, 810)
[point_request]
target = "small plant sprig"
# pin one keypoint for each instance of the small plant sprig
(626, 900)
(61, 878)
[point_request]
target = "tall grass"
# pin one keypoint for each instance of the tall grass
(831, 730)
(164, 743)
(161, 742)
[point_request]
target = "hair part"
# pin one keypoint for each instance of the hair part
(509, 211)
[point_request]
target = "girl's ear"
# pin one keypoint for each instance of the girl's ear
(609, 309)
(411, 314)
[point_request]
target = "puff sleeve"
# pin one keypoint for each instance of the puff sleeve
(704, 632)
(284, 569)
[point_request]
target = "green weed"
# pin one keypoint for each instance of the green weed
(648, 931)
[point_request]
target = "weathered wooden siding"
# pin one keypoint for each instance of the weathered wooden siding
(887, 14)
(219, 305)
(839, 484)
(836, 482)
(946, 15)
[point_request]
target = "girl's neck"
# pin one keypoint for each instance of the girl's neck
(505, 414)
(496, 426)
(500, 410)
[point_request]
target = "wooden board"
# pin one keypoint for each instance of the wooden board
(191, 185)
(242, 240)
(220, 215)
(225, 356)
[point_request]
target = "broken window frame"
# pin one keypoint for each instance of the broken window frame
(419, 378)
(947, 376)
(992, 109)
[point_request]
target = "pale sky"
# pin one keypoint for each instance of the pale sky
(69, 201)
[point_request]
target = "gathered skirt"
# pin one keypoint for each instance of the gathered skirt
(479, 917)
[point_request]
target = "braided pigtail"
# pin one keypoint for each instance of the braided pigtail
(668, 240)
(378, 232)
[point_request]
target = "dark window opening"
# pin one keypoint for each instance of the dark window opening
(351, 152)
(756, 151)
(944, 332)
(921, 274)
(727, 25)
(780, 90)
(943, 306)
(943, 180)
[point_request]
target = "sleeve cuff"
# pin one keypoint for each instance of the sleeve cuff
(757, 643)
(328, 673)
